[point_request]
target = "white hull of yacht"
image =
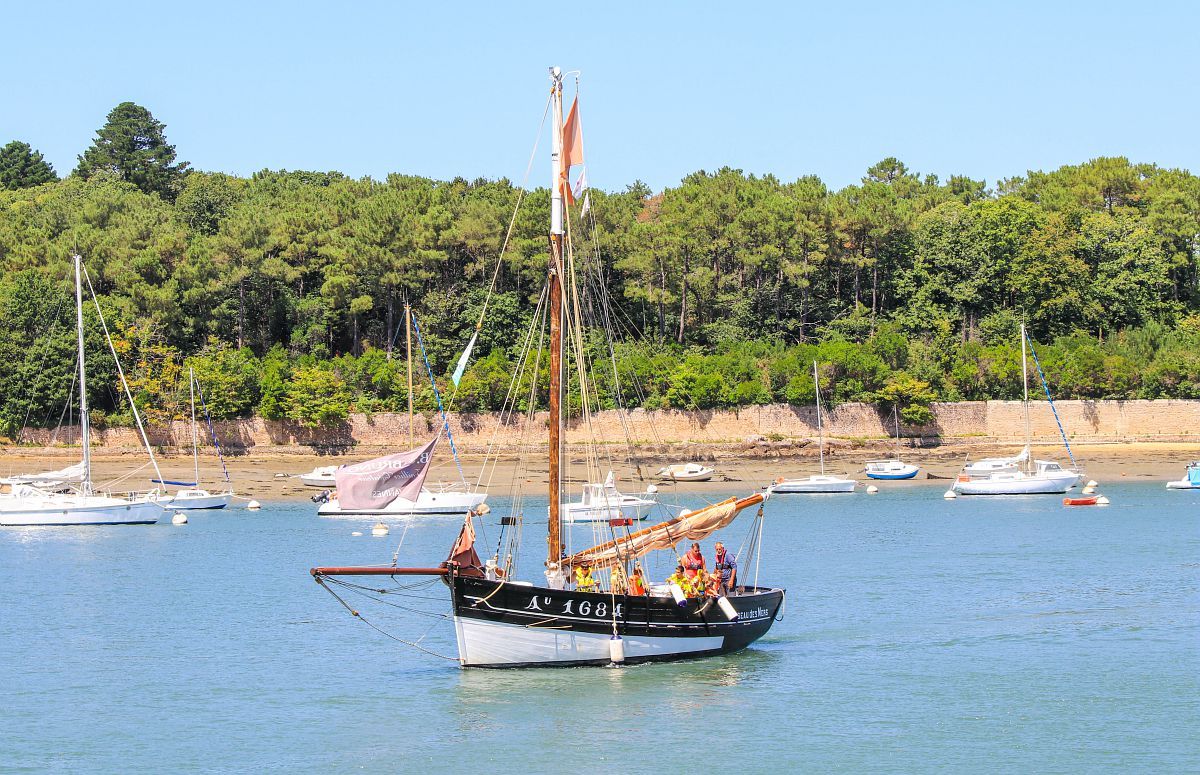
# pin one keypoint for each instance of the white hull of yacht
(318, 480)
(427, 503)
(198, 499)
(1018, 483)
(817, 483)
(71, 510)
(628, 507)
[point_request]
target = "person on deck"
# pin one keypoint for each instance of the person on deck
(693, 561)
(637, 582)
(584, 582)
(726, 565)
(713, 586)
(616, 581)
(681, 579)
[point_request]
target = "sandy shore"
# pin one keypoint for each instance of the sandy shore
(271, 476)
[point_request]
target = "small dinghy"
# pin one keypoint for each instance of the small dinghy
(1090, 500)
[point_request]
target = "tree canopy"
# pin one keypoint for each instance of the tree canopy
(285, 288)
(133, 147)
(23, 167)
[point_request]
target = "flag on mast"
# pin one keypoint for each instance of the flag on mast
(456, 377)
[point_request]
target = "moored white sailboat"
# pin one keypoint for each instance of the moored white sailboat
(193, 497)
(501, 620)
(1020, 475)
(892, 468)
(816, 483)
(28, 505)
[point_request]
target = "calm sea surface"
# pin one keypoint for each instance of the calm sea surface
(919, 635)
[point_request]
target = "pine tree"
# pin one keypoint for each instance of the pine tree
(131, 145)
(23, 167)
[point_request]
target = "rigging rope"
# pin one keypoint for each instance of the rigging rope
(1046, 388)
(438, 394)
(213, 432)
(414, 644)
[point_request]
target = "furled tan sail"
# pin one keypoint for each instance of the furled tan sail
(693, 526)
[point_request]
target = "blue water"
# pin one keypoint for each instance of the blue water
(920, 635)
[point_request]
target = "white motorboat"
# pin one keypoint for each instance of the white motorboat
(28, 505)
(445, 499)
(890, 469)
(996, 465)
(1046, 478)
(321, 476)
(686, 472)
(1190, 480)
(603, 502)
(193, 497)
(815, 483)
(1019, 475)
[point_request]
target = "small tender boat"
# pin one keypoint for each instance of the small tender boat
(1190, 480)
(197, 499)
(686, 472)
(890, 469)
(603, 503)
(1090, 500)
(321, 476)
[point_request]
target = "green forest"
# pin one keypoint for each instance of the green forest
(285, 290)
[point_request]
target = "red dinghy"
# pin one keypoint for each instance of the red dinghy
(1090, 500)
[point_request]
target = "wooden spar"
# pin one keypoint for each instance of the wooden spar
(741, 505)
(554, 538)
(378, 571)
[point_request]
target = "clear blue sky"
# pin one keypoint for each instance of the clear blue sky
(443, 89)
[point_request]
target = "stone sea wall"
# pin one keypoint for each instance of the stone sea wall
(965, 422)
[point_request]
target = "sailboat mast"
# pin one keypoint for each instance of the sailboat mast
(820, 426)
(408, 360)
(554, 539)
(195, 438)
(1025, 401)
(84, 425)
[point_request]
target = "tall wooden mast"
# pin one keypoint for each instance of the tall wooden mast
(554, 540)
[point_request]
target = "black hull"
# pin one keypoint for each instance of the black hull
(512, 625)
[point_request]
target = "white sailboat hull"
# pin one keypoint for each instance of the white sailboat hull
(198, 499)
(817, 483)
(318, 480)
(1019, 483)
(497, 644)
(428, 502)
(52, 510)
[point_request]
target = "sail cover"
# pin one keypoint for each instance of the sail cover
(374, 484)
(69, 474)
(692, 526)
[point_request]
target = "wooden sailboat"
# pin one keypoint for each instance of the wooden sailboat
(503, 621)
(822, 482)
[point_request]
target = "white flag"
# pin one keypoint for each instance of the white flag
(587, 203)
(462, 361)
(581, 184)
